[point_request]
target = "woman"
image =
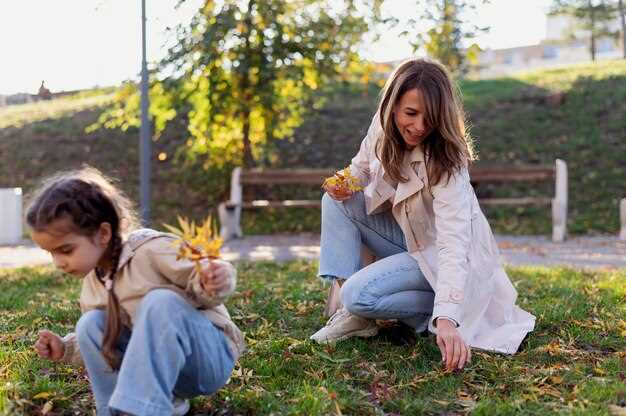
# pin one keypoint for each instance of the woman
(439, 263)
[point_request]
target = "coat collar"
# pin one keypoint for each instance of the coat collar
(415, 183)
(416, 155)
(134, 241)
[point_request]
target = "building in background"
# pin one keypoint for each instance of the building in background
(561, 47)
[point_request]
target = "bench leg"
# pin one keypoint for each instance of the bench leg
(622, 216)
(333, 303)
(230, 222)
(559, 203)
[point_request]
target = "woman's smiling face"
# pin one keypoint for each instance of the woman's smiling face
(410, 118)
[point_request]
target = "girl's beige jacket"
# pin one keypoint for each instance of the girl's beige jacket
(449, 236)
(148, 262)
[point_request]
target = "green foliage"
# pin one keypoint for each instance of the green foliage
(572, 363)
(244, 73)
(443, 32)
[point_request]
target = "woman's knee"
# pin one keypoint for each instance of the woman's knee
(328, 203)
(90, 325)
(353, 208)
(356, 298)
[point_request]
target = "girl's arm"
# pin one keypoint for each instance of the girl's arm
(183, 273)
(72, 352)
(51, 346)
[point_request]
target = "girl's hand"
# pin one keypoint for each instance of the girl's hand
(215, 276)
(455, 353)
(338, 194)
(50, 345)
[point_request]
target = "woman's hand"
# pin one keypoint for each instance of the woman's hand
(455, 353)
(215, 276)
(338, 194)
(50, 345)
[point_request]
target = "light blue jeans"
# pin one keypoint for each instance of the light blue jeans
(393, 287)
(173, 349)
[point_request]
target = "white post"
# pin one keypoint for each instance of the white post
(230, 216)
(622, 216)
(10, 216)
(559, 203)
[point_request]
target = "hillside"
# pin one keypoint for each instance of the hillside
(576, 113)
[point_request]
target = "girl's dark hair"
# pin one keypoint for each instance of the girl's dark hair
(83, 200)
(449, 146)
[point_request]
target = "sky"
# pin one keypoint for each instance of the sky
(77, 44)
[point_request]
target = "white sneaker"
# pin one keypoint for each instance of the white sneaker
(343, 325)
(181, 406)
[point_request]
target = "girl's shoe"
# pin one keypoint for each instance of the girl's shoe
(343, 325)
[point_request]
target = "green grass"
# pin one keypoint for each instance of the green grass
(19, 115)
(573, 363)
(510, 118)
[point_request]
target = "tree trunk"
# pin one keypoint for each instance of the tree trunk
(248, 158)
(620, 10)
(592, 17)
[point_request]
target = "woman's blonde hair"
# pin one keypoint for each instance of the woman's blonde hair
(448, 146)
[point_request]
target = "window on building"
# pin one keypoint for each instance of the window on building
(550, 52)
(605, 45)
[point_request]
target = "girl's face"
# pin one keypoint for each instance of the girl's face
(74, 253)
(410, 117)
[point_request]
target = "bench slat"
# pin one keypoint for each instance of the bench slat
(278, 204)
(317, 203)
(281, 177)
(515, 201)
(316, 176)
(512, 173)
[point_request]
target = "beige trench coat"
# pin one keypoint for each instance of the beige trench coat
(449, 236)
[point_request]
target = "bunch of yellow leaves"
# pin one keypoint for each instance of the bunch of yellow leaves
(343, 181)
(196, 242)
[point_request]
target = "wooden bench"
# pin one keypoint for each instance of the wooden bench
(530, 173)
(230, 211)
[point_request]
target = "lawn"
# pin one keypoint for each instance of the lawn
(574, 362)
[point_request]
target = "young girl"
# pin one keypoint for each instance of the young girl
(152, 327)
(439, 263)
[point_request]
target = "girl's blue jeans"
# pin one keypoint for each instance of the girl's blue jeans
(393, 287)
(173, 349)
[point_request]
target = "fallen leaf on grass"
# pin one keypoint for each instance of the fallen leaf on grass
(556, 380)
(379, 391)
(43, 395)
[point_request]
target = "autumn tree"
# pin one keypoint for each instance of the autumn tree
(447, 31)
(245, 71)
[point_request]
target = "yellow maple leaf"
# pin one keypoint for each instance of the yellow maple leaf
(196, 243)
(343, 180)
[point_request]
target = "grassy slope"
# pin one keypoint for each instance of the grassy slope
(510, 120)
(573, 363)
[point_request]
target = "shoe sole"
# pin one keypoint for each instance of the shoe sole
(362, 333)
